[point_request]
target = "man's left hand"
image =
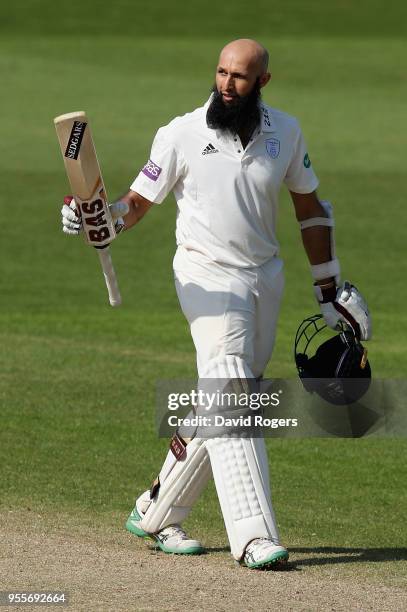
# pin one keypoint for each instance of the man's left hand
(345, 305)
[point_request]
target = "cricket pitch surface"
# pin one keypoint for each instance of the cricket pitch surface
(101, 570)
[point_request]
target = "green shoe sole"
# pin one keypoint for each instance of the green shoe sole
(274, 561)
(194, 550)
(135, 530)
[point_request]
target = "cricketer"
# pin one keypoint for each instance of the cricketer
(225, 162)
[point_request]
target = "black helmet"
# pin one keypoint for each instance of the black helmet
(339, 370)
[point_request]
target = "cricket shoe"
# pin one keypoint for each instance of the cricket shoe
(262, 553)
(171, 539)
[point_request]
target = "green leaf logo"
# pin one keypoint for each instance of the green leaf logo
(307, 161)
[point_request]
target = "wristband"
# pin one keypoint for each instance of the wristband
(326, 270)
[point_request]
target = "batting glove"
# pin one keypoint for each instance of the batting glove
(345, 305)
(72, 222)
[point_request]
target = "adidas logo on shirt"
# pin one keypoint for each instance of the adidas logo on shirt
(209, 149)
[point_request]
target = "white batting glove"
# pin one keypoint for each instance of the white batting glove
(72, 222)
(345, 305)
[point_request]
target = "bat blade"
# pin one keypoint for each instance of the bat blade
(85, 178)
(82, 167)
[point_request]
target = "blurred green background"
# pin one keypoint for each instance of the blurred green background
(78, 378)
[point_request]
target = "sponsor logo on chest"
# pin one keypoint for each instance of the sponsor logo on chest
(209, 149)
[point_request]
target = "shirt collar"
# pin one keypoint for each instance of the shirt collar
(266, 119)
(207, 103)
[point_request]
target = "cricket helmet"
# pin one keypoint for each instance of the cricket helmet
(339, 371)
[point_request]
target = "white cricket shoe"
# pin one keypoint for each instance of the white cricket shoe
(171, 539)
(263, 553)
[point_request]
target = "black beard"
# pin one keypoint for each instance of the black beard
(242, 116)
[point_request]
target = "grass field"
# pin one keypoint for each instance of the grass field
(78, 378)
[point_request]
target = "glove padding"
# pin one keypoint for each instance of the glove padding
(72, 222)
(347, 307)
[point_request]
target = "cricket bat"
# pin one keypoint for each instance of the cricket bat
(88, 190)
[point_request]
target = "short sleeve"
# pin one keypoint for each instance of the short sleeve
(161, 172)
(300, 176)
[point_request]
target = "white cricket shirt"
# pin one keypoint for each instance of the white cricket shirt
(227, 196)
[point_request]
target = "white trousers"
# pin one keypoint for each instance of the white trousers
(231, 311)
(232, 314)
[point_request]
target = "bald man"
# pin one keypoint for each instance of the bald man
(225, 163)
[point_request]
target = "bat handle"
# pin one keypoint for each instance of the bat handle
(110, 276)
